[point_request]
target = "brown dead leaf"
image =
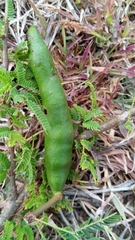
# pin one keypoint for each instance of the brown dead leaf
(100, 210)
(104, 139)
(78, 27)
(111, 135)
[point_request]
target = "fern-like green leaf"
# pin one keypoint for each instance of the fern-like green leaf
(31, 173)
(30, 202)
(8, 230)
(94, 126)
(23, 160)
(4, 166)
(5, 80)
(92, 114)
(15, 95)
(68, 234)
(29, 96)
(25, 83)
(28, 232)
(129, 126)
(87, 144)
(112, 218)
(93, 95)
(21, 52)
(40, 116)
(87, 230)
(18, 122)
(87, 163)
(90, 226)
(29, 85)
(31, 170)
(2, 175)
(87, 117)
(84, 163)
(15, 137)
(74, 114)
(20, 72)
(98, 227)
(4, 131)
(80, 110)
(20, 232)
(10, 10)
(8, 110)
(1, 33)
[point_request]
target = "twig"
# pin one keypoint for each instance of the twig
(13, 189)
(64, 219)
(128, 185)
(31, 215)
(11, 208)
(5, 55)
(48, 204)
(86, 134)
(4, 42)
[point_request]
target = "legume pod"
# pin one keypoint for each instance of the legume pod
(58, 142)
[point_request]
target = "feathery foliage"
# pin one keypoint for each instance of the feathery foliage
(27, 84)
(88, 116)
(8, 230)
(1, 33)
(10, 10)
(88, 229)
(5, 81)
(16, 138)
(20, 72)
(87, 162)
(4, 166)
(24, 231)
(21, 51)
(14, 231)
(40, 115)
(94, 104)
(4, 132)
(26, 163)
(89, 122)
(23, 159)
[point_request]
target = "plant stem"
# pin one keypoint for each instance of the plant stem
(57, 197)
(4, 41)
(115, 121)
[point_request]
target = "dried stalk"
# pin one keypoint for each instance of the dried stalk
(115, 121)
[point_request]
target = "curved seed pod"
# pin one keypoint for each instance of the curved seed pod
(58, 142)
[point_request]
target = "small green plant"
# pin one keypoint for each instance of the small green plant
(89, 121)
(10, 10)
(86, 161)
(14, 231)
(89, 229)
(10, 93)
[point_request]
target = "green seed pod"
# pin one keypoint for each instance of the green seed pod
(59, 141)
